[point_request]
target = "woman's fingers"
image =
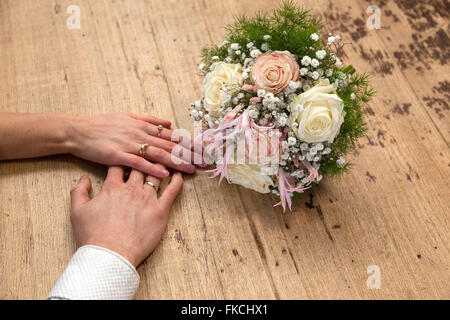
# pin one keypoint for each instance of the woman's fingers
(165, 133)
(167, 159)
(168, 140)
(151, 119)
(171, 192)
(176, 149)
(143, 165)
(169, 135)
(161, 143)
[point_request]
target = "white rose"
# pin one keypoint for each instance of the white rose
(322, 114)
(250, 176)
(253, 169)
(223, 74)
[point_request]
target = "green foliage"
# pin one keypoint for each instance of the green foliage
(353, 127)
(290, 28)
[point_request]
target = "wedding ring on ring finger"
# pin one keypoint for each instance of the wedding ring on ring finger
(154, 183)
(151, 184)
(143, 150)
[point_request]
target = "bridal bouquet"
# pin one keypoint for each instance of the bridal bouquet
(281, 110)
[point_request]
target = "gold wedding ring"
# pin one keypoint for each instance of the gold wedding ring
(143, 150)
(160, 128)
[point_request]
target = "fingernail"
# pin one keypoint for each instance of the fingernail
(165, 173)
(190, 169)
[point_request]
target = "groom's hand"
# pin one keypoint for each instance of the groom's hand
(125, 217)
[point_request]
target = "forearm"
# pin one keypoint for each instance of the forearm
(25, 135)
(96, 273)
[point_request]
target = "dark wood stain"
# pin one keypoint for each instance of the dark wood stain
(372, 178)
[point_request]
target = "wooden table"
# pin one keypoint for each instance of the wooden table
(223, 241)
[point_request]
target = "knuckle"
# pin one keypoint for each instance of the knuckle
(160, 212)
(134, 132)
(133, 193)
(74, 189)
(110, 153)
(130, 189)
(150, 128)
(110, 185)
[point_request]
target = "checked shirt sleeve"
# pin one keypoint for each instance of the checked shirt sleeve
(96, 273)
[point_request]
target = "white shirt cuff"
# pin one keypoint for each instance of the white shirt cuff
(96, 273)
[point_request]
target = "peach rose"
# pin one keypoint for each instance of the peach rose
(272, 71)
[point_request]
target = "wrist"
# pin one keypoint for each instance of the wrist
(124, 258)
(125, 252)
(71, 127)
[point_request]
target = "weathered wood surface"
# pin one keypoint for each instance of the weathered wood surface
(224, 241)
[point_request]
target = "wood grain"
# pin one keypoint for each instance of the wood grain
(225, 241)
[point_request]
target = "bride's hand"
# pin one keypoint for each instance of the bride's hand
(116, 139)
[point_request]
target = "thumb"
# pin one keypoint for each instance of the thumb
(80, 192)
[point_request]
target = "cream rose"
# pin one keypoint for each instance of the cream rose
(317, 114)
(250, 176)
(254, 172)
(223, 74)
(272, 71)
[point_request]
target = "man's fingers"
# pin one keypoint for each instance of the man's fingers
(151, 119)
(143, 165)
(171, 192)
(156, 183)
(80, 192)
(167, 159)
(136, 177)
(115, 174)
(154, 180)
